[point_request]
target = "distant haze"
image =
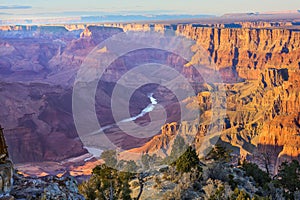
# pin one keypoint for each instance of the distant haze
(71, 8)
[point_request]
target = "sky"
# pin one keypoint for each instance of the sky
(21, 8)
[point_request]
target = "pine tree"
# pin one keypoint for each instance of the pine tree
(107, 183)
(289, 178)
(187, 161)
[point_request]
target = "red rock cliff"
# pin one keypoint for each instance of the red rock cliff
(250, 51)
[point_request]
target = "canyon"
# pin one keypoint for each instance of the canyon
(258, 62)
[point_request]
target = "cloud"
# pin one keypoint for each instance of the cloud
(14, 7)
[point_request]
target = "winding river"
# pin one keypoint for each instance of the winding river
(146, 110)
(97, 152)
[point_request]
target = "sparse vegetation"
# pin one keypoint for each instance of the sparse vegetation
(187, 161)
(178, 148)
(240, 195)
(110, 158)
(260, 177)
(219, 153)
(107, 183)
(289, 178)
(186, 179)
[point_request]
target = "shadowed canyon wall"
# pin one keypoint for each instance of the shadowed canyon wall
(259, 65)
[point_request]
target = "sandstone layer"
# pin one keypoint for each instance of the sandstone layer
(259, 67)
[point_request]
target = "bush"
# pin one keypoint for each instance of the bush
(187, 161)
(239, 195)
(178, 148)
(216, 189)
(135, 184)
(233, 184)
(110, 158)
(259, 176)
(219, 153)
(103, 181)
(158, 183)
(289, 178)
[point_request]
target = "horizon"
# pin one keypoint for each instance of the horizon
(16, 9)
(137, 17)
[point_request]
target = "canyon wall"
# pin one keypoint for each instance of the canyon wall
(248, 51)
(260, 67)
(246, 47)
(261, 121)
(263, 111)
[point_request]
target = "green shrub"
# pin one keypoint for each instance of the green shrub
(289, 178)
(259, 176)
(187, 161)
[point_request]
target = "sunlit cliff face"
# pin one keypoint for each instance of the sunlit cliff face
(38, 66)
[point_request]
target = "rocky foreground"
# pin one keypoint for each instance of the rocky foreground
(48, 187)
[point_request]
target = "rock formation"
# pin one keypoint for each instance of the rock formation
(15, 186)
(248, 51)
(6, 168)
(41, 115)
(258, 61)
(262, 118)
(48, 187)
(262, 111)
